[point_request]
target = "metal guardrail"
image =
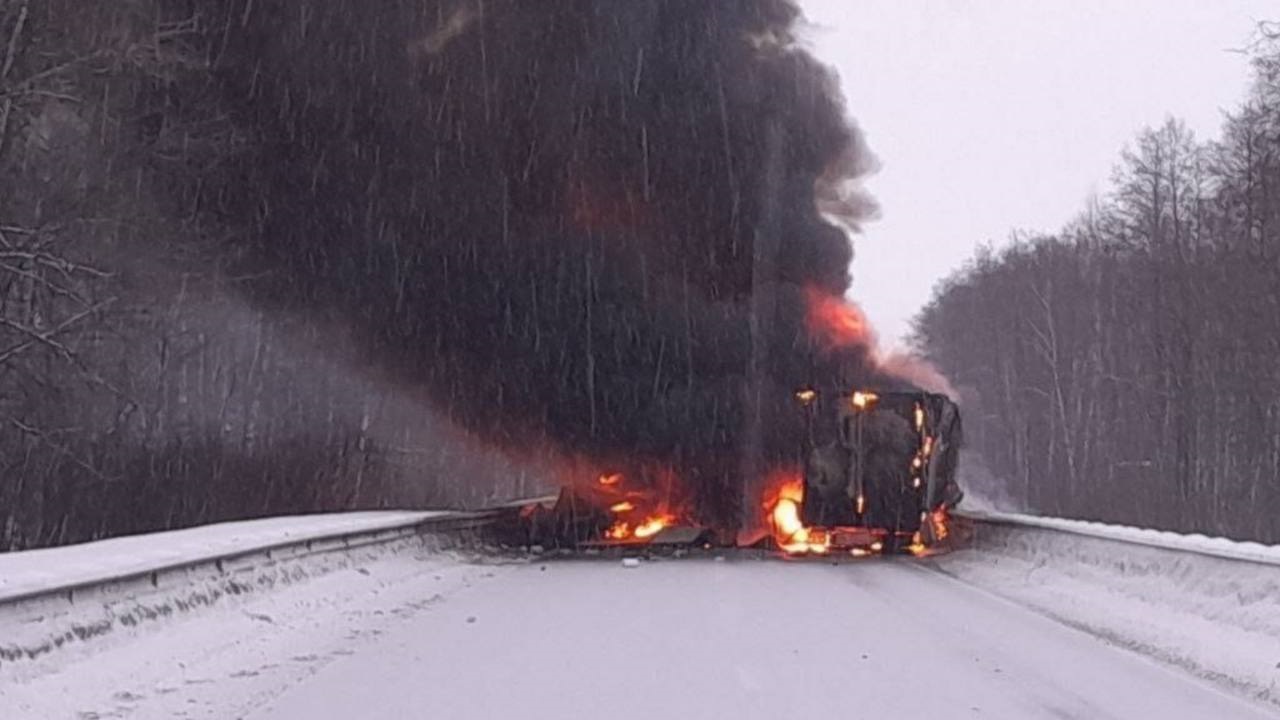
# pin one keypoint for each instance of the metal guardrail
(1242, 551)
(451, 523)
(459, 523)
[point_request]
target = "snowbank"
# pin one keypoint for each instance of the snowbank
(78, 601)
(256, 629)
(1189, 601)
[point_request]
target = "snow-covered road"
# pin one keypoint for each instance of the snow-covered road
(408, 638)
(745, 640)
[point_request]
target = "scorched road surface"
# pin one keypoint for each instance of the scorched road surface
(741, 639)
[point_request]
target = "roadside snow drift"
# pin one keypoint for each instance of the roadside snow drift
(1218, 618)
(82, 599)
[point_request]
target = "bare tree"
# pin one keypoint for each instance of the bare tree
(1125, 367)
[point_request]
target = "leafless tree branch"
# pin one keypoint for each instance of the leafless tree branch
(47, 338)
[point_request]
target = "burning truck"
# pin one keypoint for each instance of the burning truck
(875, 475)
(884, 482)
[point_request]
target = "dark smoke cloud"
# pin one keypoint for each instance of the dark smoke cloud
(551, 215)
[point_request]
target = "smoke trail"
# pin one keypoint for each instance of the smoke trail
(591, 224)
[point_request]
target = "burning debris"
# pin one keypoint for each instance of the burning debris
(884, 484)
(636, 516)
(611, 511)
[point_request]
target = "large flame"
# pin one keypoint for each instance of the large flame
(789, 530)
(834, 321)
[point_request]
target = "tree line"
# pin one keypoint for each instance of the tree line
(1127, 368)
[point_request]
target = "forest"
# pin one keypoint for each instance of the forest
(1124, 369)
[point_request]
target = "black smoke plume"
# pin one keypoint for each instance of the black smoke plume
(583, 224)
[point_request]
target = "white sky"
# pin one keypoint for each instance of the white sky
(995, 115)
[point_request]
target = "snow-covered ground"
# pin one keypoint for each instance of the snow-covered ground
(1216, 618)
(244, 651)
(415, 633)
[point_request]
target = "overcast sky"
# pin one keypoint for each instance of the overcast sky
(991, 115)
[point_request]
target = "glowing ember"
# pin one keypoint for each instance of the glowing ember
(919, 417)
(833, 321)
(624, 506)
(806, 396)
(863, 400)
(619, 531)
(611, 479)
(940, 522)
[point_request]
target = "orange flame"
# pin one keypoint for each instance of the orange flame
(789, 530)
(654, 525)
(834, 321)
(631, 504)
(622, 530)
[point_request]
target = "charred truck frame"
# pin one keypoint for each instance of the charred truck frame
(887, 478)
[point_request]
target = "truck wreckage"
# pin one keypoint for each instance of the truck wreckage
(884, 482)
(876, 476)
